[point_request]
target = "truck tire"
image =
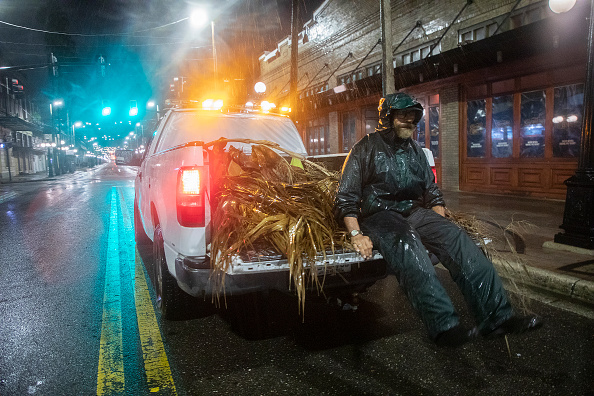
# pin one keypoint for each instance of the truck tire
(171, 301)
(139, 235)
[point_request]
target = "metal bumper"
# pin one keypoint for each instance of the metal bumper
(196, 278)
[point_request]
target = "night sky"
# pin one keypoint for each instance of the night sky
(140, 40)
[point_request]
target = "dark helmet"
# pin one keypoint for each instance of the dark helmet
(396, 101)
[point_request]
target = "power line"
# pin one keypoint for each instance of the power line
(91, 35)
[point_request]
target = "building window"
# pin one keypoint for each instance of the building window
(477, 32)
(434, 130)
(532, 130)
(371, 120)
(567, 120)
(476, 128)
(317, 136)
(420, 132)
(502, 126)
(355, 76)
(521, 123)
(427, 133)
(349, 130)
(418, 53)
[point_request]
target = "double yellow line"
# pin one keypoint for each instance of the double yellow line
(110, 374)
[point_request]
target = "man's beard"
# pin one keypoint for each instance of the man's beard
(405, 132)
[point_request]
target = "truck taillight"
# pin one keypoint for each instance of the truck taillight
(191, 183)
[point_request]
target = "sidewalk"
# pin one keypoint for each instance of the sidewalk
(562, 270)
(43, 175)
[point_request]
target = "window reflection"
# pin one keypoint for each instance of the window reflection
(318, 137)
(371, 120)
(476, 127)
(502, 126)
(434, 130)
(348, 131)
(532, 124)
(567, 120)
(421, 131)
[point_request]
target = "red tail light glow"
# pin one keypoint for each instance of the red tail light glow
(190, 181)
(190, 197)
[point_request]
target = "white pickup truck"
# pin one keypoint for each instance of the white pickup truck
(177, 222)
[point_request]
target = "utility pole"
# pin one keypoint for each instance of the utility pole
(388, 86)
(578, 217)
(294, 55)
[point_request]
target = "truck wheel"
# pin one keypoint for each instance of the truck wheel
(139, 235)
(171, 301)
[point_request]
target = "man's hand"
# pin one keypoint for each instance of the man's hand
(363, 245)
(440, 210)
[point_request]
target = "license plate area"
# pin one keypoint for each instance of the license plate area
(332, 270)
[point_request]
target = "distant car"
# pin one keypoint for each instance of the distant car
(124, 157)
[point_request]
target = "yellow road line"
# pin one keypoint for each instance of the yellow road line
(110, 374)
(156, 365)
(157, 369)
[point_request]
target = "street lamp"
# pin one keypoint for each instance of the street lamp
(560, 6)
(578, 216)
(199, 18)
(260, 87)
(77, 124)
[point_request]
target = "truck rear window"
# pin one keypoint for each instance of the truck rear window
(184, 127)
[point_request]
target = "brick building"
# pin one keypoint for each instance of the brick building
(21, 134)
(502, 83)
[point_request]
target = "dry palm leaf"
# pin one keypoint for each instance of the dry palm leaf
(501, 243)
(265, 204)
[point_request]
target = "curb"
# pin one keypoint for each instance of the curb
(566, 285)
(27, 180)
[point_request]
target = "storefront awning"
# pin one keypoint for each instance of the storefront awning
(18, 124)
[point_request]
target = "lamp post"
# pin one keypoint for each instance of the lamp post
(578, 217)
(55, 112)
(77, 124)
(199, 18)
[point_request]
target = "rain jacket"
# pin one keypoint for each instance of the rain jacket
(384, 172)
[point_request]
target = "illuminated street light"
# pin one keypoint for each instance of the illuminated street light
(260, 87)
(560, 6)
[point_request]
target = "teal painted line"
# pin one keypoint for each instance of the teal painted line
(156, 365)
(110, 373)
(129, 244)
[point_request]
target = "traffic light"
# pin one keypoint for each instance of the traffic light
(16, 87)
(133, 109)
(53, 65)
(106, 109)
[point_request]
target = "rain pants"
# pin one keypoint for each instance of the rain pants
(388, 185)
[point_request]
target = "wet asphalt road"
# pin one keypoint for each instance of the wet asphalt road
(57, 333)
